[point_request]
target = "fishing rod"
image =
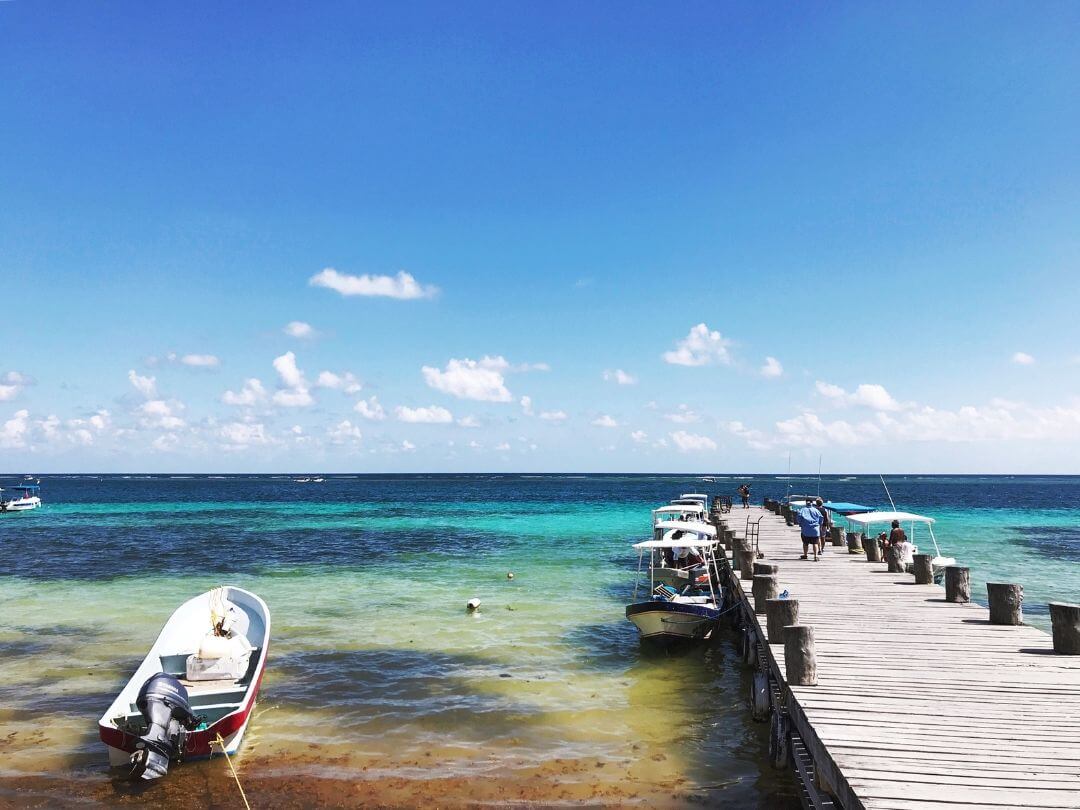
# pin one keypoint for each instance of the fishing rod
(893, 505)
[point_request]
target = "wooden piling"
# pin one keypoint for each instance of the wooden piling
(895, 559)
(837, 534)
(765, 587)
(854, 543)
(1065, 619)
(800, 663)
(779, 613)
(1006, 603)
(872, 547)
(957, 584)
(766, 568)
(924, 571)
(746, 557)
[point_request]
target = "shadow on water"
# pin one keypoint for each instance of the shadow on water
(1056, 542)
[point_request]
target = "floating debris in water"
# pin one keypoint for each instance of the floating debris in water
(473, 604)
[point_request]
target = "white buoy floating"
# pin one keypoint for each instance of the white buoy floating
(473, 604)
(509, 574)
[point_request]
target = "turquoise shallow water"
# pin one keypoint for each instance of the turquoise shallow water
(381, 688)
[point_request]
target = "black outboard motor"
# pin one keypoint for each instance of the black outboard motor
(164, 704)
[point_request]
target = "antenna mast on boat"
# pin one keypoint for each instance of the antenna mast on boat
(893, 505)
(819, 475)
(789, 474)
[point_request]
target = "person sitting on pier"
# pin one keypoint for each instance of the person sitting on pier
(810, 527)
(897, 534)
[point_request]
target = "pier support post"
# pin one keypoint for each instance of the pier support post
(924, 572)
(1065, 619)
(729, 538)
(894, 559)
(854, 543)
(766, 568)
(1006, 603)
(872, 547)
(837, 533)
(800, 664)
(765, 587)
(746, 557)
(957, 584)
(779, 613)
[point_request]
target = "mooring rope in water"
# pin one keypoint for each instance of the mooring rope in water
(228, 759)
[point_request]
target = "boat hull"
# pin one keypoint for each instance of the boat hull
(667, 622)
(22, 505)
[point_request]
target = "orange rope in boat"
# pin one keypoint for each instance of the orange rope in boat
(228, 759)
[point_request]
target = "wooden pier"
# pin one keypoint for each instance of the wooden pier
(919, 703)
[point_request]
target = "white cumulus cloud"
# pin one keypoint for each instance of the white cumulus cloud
(432, 415)
(370, 408)
(772, 368)
(481, 380)
(526, 406)
(683, 415)
(14, 431)
(691, 442)
(1023, 359)
(250, 394)
(157, 413)
(701, 347)
(243, 434)
(344, 432)
(639, 436)
(147, 386)
(554, 416)
(402, 286)
(299, 329)
(617, 375)
(200, 360)
(468, 422)
(11, 384)
(866, 395)
(294, 392)
(345, 381)
(605, 421)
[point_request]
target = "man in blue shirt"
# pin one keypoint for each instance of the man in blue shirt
(810, 520)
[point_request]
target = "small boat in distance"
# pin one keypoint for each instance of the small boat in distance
(26, 497)
(198, 682)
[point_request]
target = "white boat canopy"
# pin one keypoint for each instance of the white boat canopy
(676, 510)
(675, 544)
(866, 518)
(802, 498)
(695, 496)
(688, 526)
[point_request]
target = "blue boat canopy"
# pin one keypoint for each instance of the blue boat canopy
(843, 508)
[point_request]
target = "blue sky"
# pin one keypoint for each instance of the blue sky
(882, 198)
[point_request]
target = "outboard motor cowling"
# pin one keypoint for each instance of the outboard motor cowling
(163, 702)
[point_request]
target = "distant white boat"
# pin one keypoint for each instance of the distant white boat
(26, 497)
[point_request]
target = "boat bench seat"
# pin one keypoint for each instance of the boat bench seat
(692, 600)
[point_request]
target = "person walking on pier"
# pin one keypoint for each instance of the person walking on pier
(826, 525)
(744, 493)
(810, 527)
